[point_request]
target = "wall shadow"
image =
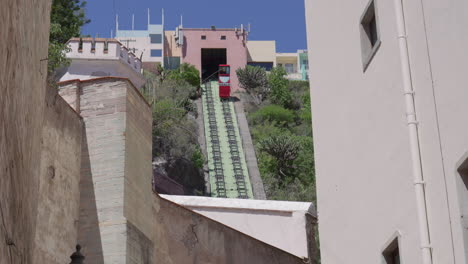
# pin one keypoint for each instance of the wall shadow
(89, 235)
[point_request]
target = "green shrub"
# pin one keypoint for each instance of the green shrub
(254, 81)
(187, 73)
(279, 88)
(198, 159)
(273, 113)
(284, 149)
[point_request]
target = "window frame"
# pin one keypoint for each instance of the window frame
(389, 247)
(368, 51)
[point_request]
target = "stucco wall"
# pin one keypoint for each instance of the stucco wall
(171, 49)
(58, 201)
(278, 223)
(184, 236)
(363, 163)
(262, 51)
(23, 69)
(85, 69)
(236, 49)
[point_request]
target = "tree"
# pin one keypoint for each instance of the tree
(279, 88)
(254, 81)
(273, 113)
(284, 149)
(66, 19)
(188, 73)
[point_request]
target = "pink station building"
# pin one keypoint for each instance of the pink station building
(208, 48)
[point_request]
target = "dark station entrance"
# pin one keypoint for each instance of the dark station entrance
(211, 59)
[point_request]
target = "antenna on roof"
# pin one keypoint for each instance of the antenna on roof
(181, 21)
(163, 17)
(148, 16)
(112, 33)
(133, 21)
(116, 24)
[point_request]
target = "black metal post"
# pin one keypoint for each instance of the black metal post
(77, 257)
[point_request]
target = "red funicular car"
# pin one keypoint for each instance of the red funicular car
(224, 81)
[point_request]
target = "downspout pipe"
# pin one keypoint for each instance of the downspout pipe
(419, 184)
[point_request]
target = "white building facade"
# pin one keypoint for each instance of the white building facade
(100, 57)
(148, 45)
(389, 101)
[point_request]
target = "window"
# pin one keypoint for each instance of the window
(203, 37)
(391, 254)
(224, 70)
(289, 67)
(265, 65)
(171, 63)
(462, 186)
(370, 38)
(156, 38)
(156, 53)
(223, 37)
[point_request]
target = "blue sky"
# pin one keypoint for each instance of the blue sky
(280, 20)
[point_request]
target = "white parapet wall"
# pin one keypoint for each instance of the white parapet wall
(99, 57)
(278, 223)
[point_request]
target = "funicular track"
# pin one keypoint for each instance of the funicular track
(228, 170)
(215, 143)
(234, 150)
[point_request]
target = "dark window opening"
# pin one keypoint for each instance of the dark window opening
(203, 37)
(223, 37)
(392, 253)
(463, 198)
(224, 70)
(171, 63)
(370, 39)
(156, 38)
(156, 53)
(80, 45)
(211, 59)
(265, 65)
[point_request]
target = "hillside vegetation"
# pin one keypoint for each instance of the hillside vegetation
(279, 117)
(175, 132)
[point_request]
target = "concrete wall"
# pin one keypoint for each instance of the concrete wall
(59, 194)
(23, 70)
(184, 236)
(363, 163)
(235, 45)
(262, 51)
(278, 223)
(103, 108)
(116, 219)
(138, 194)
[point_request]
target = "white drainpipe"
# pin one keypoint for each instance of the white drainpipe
(413, 136)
